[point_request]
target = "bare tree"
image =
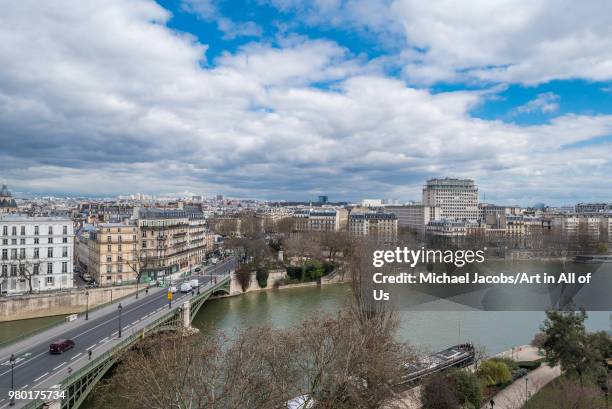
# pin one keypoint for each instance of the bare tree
(138, 264)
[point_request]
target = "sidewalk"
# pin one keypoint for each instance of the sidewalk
(515, 395)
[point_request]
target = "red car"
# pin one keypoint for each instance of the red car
(61, 346)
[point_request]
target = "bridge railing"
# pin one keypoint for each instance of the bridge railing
(110, 356)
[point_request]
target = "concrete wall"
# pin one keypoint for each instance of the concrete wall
(43, 305)
(254, 286)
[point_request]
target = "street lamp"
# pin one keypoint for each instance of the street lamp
(120, 307)
(12, 360)
(526, 397)
(87, 306)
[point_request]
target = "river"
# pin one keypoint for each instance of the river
(432, 329)
(496, 331)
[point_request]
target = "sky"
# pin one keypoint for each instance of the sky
(291, 99)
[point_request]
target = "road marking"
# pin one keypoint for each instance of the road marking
(128, 309)
(41, 376)
(76, 356)
(23, 387)
(93, 345)
(114, 333)
(59, 366)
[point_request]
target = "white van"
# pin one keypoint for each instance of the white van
(194, 283)
(185, 287)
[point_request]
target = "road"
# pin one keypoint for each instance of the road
(34, 364)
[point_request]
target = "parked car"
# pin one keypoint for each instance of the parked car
(61, 346)
(185, 287)
(198, 269)
(194, 283)
(172, 289)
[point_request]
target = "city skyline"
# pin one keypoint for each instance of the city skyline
(288, 100)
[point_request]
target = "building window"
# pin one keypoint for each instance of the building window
(5, 242)
(14, 242)
(36, 269)
(23, 230)
(36, 231)
(4, 270)
(64, 267)
(109, 269)
(22, 254)
(13, 270)
(109, 248)
(50, 230)
(109, 259)
(13, 254)
(49, 268)
(4, 254)
(109, 278)
(64, 239)
(50, 280)
(119, 247)
(50, 252)
(5, 230)
(14, 231)
(108, 238)
(22, 241)
(50, 240)
(65, 230)
(36, 241)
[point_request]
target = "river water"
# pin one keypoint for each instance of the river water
(435, 328)
(496, 331)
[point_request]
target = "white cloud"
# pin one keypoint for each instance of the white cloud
(103, 97)
(546, 103)
(481, 40)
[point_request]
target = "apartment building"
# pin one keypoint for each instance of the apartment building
(456, 198)
(112, 252)
(36, 254)
(573, 226)
(320, 219)
(381, 226)
(172, 240)
(414, 217)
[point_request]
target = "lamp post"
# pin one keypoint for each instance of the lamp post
(87, 306)
(12, 360)
(526, 390)
(120, 307)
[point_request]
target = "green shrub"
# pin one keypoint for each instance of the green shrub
(510, 363)
(494, 372)
(467, 388)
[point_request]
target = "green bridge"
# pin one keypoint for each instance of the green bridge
(80, 383)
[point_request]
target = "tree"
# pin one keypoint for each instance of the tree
(602, 248)
(331, 359)
(568, 344)
(467, 387)
(243, 275)
(27, 270)
(138, 264)
(539, 340)
(438, 393)
(494, 372)
(261, 274)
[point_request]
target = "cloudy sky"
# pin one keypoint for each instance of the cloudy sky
(289, 99)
